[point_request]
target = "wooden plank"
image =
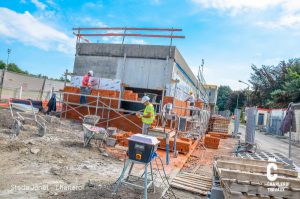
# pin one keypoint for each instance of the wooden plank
(248, 161)
(187, 188)
(194, 180)
(254, 168)
(195, 175)
(177, 169)
(195, 184)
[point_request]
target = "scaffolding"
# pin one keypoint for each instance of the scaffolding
(199, 119)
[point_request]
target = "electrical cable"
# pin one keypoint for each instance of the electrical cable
(166, 177)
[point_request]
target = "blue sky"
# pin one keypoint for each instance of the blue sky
(229, 34)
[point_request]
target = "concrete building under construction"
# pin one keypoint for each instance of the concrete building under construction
(142, 68)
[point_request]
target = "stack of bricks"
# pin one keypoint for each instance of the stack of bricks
(181, 106)
(199, 104)
(218, 124)
(183, 145)
(218, 135)
(121, 138)
(130, 95)
(211, 142)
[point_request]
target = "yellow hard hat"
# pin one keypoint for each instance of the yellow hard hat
(191, 92)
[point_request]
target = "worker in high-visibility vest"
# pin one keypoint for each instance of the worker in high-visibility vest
(148, 115)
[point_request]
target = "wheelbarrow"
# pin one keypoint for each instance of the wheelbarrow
(95, 133)
(26, 113)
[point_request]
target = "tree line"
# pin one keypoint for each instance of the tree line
(271, 87)
(12, 67)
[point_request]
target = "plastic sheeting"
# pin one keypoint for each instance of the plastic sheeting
(98, 83)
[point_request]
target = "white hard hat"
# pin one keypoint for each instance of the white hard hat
(91, 73)
(145, 99)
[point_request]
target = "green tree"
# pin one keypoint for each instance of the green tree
(290, 89)
(276, 86)
(2, 64)
(223, 93)
(14, 68)
(234, 98)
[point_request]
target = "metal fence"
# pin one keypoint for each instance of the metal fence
(296, 135)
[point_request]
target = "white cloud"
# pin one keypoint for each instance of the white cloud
(285, 12)
(282, 22)
(239, 5)
(26, 29)
(39, 4)
(137, 41)
(92, 22)
(93, 5)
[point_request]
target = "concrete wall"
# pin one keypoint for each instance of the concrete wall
(131, 50)
(135, 72)
(143, 66)
(31, 86)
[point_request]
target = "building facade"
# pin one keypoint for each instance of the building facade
(147, 68)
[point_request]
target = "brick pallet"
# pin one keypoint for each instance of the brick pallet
(246, 178)
(218, 135)
(211, 142)
(218, 124)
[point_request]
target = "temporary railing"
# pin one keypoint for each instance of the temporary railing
(104, 110)
(81, 36)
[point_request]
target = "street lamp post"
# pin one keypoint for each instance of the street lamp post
(247, 95)
(237, 100)
(3, 72)
(8, 52)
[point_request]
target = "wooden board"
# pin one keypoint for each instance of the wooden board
(248, 161)
(188, 188)
(254, 168)
(192, 183)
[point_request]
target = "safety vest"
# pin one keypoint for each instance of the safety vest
(149, 109)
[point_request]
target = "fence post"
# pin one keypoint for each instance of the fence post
(2, 82)
(43, 87)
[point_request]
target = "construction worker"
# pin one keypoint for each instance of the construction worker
(51, 104)
(86, 78)
(148, 115)
(85, 86)
(191, 99)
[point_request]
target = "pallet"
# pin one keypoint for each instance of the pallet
(192, 183)
(246, 178)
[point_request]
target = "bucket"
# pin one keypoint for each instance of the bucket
(111, 131)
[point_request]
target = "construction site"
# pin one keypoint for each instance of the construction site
(91, 137)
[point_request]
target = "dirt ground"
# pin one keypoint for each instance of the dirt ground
(58, 166)
(42, 167)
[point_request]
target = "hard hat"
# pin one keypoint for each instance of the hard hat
(91, 73)
(145, 99)
(191, 92)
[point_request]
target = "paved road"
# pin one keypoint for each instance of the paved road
(272, 144)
